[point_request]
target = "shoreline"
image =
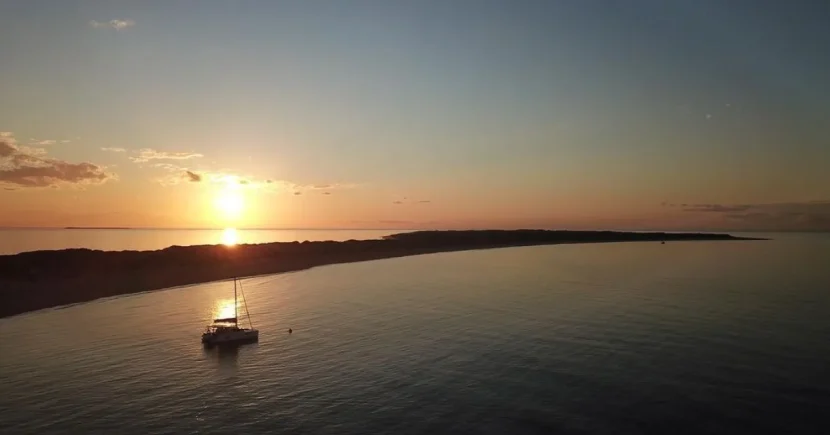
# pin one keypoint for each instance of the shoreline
(33, 281)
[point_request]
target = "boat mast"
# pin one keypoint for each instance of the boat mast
(245, 301)
(235, 314)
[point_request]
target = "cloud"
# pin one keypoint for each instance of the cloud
(193, 177)
(29, 167)
(7, 148)
(66, 141)
(407, 201)
(113, 149)
(112, 24)
(792, 216)
(44, 142)
(294, 187)
(175, 173)
(717, 208)
(326, 186)
(147, 154)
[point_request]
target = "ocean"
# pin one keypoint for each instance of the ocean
(723, 337)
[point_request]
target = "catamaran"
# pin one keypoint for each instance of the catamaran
(227, 330)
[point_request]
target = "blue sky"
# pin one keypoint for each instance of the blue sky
(594, 106)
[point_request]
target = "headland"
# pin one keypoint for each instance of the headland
(43, 279)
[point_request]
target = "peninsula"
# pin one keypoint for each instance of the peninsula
(42, 279)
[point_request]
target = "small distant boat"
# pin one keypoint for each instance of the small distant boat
(227, 330)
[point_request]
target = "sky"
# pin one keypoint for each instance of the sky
(643, 114)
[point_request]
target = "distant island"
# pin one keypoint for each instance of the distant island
(42, 279)
(98, 228)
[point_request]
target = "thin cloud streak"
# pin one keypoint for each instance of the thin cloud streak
(717, 208)
(147, 154)
(112, 24)
(791, 216)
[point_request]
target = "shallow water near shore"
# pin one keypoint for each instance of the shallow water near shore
(686, 337)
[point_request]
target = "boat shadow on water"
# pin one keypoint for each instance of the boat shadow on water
(225, 353)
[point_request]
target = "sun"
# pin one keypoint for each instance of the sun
(230, 204)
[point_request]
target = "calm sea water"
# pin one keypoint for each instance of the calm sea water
(13, 241)
(696, 337)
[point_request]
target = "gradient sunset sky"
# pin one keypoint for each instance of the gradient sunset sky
(704, 114)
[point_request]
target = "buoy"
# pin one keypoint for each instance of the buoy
(290, 330)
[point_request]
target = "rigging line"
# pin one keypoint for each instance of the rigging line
(246, 306)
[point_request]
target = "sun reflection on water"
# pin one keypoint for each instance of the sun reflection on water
(223, 309)
(230, 237)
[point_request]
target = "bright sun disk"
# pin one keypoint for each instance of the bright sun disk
(230, 204)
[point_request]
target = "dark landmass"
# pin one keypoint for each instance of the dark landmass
(42, 279)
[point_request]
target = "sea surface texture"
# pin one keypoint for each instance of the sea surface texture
(622, 338)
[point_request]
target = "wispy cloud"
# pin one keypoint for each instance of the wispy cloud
(27, 167)
(791, 216)
(175, 172)
(193, 177)
(717, 208)
(325, 186)
(147, 154)
(113, 149)
(406, 200)
(44, 142)
(112, 24)
(321, 188)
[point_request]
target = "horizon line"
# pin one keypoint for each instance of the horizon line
(127, 228)
(119, 228)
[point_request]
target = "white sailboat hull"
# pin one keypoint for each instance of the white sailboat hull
(230, 336)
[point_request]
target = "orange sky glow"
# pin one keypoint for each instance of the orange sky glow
(318, 115)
